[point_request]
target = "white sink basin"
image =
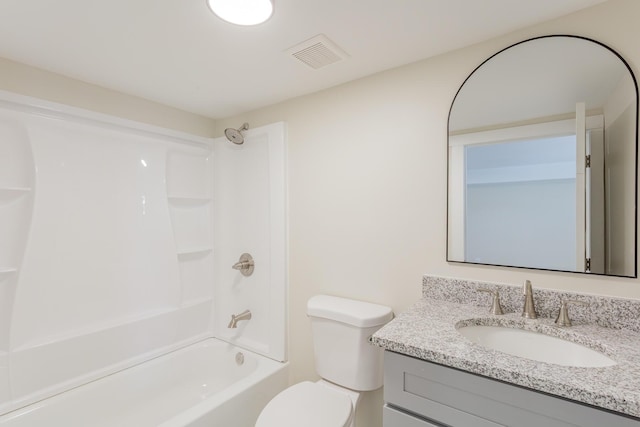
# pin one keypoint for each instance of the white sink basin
(535, 346)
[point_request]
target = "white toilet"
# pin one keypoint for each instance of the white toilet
(345, 360)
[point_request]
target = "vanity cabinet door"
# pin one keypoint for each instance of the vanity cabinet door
(459, 399)
(392, 417)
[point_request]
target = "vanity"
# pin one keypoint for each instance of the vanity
(435, 376)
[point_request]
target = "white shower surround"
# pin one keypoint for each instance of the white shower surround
(250, 216)
(112, 242)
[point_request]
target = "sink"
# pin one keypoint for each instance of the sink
(535, 346)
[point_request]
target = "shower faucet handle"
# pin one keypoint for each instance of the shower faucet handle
(245, 265)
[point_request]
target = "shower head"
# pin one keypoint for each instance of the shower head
(235, 135)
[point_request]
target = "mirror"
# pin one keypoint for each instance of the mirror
(542, 160)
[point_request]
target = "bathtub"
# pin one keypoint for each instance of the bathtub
(210, 383)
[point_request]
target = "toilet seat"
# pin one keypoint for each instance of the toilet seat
(307, 404)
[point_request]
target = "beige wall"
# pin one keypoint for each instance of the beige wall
(367, 181)
(367, 173)
(25, 80)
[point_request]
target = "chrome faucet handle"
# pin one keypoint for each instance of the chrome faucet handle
(529, 308)
(496, 308)
(563, 315)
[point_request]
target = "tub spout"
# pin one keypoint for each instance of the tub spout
(245, 315)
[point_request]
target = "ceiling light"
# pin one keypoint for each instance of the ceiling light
(242, 12)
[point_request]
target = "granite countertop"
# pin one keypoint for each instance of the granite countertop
(428, 331)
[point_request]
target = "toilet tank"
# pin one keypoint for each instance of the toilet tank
(341, 329)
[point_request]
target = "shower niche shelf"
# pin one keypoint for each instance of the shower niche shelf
(194, 302)
(9, 193)
(188, 201)
(191, 222)
(202, 251)
(7, 271)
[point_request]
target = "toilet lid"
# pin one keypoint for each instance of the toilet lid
(307, 404)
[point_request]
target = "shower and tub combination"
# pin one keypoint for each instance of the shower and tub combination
(122, 297)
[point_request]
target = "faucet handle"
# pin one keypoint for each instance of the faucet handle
(496, 308)
(563, 315)
(245, 265)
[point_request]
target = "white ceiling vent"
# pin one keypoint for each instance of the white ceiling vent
(317, 52)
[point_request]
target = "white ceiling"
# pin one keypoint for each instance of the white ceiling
(178, 53)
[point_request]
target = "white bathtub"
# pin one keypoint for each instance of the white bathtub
(200, 385)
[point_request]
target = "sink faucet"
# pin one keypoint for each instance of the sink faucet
(563, 315)
(496, 308)
(245, 315)
(529, 309)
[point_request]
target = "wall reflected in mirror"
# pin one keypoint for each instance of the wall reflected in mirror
(542, 160)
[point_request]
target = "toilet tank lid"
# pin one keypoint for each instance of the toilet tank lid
(357, 313)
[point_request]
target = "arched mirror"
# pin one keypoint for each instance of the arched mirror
(542, 160)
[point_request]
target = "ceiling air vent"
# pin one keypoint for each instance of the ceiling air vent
(317, 52)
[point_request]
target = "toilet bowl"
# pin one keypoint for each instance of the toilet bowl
(308, 404)
(346, 361)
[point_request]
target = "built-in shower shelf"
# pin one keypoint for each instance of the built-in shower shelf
(16, 189)
(8, 193)
(188, 201)
(194, 251)
(196, 301)
(6, 271)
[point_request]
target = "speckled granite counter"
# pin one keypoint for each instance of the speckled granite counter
(428, 331)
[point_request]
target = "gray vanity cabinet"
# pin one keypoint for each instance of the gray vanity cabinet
(423, 394)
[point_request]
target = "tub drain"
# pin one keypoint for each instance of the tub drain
(239, 358)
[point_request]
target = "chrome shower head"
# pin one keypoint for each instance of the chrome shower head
(235, 135)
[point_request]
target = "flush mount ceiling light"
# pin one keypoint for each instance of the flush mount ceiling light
(242, 12)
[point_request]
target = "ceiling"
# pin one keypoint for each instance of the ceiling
(176, 52)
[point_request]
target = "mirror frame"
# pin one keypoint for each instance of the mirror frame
(635, 210)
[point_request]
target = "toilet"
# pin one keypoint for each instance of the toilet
(345, 360)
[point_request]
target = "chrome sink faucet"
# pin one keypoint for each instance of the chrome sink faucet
(529, 308)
